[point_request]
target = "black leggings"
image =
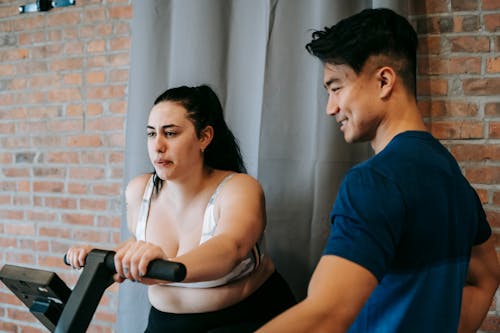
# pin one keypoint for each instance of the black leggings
(272, 298)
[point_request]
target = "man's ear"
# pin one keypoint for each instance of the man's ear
(206, 136)
(386, 77)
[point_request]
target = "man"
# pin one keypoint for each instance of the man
(410, 249)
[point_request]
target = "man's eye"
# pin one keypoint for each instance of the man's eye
(170, 133)
(335, 89)
(151, 134)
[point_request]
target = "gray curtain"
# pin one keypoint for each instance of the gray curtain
(252, 53)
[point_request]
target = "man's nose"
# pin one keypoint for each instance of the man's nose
(332, 107)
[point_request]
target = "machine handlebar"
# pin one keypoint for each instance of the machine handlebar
(157, 269)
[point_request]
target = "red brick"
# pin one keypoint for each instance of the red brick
(428, 86)
(483, 174)
(470, 44)
(97, 61)
(457, 130)
(106, 92)
(56, 126)
(66, 64)
(96, 46)
(122, 43)
(493, 218)
(492, 109)
(64, 18)
(73, 79)
(105, 29)
(104, 124)
(54, 232)
(56, 202)
(492, 22)
(94, 109)
(117, 140)
(84, 141)
(119, 76)
(86, 173)
(91, 204)
(493, 65)
(78, 219)
(96, 77)
(464, 5)
(94, 15)
(481, 87)
(470, 23)
(66, 157)
(46, 186)
(91, 236)
(119, 60)
(494, 130)
(496, 198)
(16, 172)
(119, 107)
(77, 188)
(74, 47)
(475, 152)
(18, 228)
(490, 4)
(41, 216)
(429, 6)
(93, 157)
(120, 12)
(74, 110)
(45, 51)
(29, 22)
(117, 157)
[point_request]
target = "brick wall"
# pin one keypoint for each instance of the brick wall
(63, 101)
(459, 93)
(63, 98)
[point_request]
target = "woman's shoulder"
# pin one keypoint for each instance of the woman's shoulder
(136, 187)
(242, 182)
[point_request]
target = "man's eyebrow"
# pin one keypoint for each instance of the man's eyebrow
(329, 82)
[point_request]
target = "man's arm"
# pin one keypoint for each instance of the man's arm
(337, 292)
(482, 282)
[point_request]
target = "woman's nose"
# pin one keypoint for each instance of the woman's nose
(160, 144)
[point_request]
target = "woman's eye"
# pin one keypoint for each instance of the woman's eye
(335, 89)
(151, 134)
(168, 134)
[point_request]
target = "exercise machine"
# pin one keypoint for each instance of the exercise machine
(62, 310)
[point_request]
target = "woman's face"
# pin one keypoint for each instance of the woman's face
(173, 146)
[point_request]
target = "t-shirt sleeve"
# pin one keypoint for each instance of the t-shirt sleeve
(366, 221)
(483, 228)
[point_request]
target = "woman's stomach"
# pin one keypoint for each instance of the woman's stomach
(176, 299)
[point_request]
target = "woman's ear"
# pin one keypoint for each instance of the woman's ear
(387, 78)
(206, 136)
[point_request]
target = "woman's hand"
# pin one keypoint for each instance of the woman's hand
(76, 255)
(132, 259)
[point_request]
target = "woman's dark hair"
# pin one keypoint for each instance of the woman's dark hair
(371, 32)
(204, 109)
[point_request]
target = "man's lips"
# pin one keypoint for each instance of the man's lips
(342, 122)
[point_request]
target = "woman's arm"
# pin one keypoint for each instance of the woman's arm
(240, 207)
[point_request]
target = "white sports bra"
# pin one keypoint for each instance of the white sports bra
(248, 265)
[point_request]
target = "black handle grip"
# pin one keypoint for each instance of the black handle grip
(157, 269)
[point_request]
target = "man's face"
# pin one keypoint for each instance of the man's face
(353, 100)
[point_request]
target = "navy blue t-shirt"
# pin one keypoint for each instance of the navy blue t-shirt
(410, 217)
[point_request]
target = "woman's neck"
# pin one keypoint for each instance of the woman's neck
(186, 189)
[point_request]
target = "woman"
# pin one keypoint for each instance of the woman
(198, 208)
